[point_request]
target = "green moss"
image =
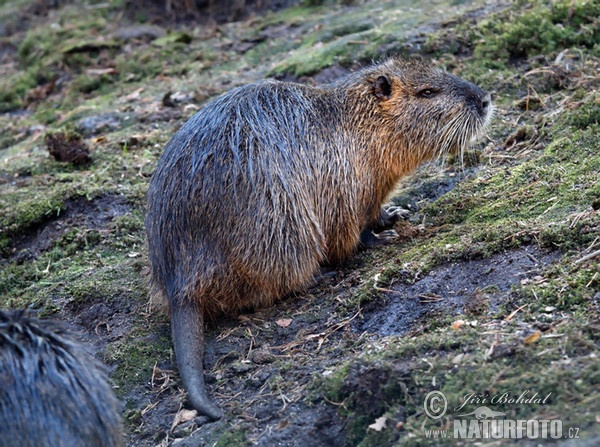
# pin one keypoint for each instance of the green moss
(9, 100)
(16, 87)
(235, 436)
(566, 286)
(560, 182)
(304, 62)
(46, 116)
(136, 359)
(399, 377)
(586, 115)
(21, 211)
(539, 30)
(356, 35)
(14, 279)
(109, 279)
(521, 30)
(88, 84)
(291, 16)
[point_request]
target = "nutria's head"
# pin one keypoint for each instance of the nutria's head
(425, 110)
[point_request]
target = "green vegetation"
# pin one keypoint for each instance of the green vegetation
(72, 237)
(357, 35)
(539, 29)
(548, 198)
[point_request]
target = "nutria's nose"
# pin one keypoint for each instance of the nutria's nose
(485, 102)
(478, 100)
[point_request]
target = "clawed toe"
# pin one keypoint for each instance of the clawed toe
(387, 235)
(370, 239)
(393, 213)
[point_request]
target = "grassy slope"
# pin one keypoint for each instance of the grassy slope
(542, 187)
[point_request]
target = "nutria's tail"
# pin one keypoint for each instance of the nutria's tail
(188, 336)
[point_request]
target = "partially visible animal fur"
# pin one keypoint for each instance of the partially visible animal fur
(52, 393)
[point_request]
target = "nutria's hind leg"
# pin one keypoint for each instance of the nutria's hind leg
(370, 239)
(378, 232)
(187, 326)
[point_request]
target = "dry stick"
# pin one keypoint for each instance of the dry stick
(588, 257)
(495, 343)
(515, 312)
(497, 377)
(592, 244)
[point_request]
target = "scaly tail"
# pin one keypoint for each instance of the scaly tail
(187, 327)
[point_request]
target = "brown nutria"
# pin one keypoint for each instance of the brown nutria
(272, 179)
(53, 394)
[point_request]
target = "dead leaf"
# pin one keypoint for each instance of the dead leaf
(134, 95)
(379, 423)
(283, 424)
(183, 416)
(100, 71)
(284, 322)
(532, 338)
(458, 324)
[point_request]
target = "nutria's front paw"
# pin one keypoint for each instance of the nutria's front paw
(370, 239)
(389, 215)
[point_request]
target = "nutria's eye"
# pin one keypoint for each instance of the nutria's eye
(427, 92)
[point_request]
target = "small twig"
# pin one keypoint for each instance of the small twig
(577, 218)
(515, 312)
(251, 342)
(381, 289)
(431, 298)
(337, 404)
(497, 377)
(588, 257)
(285, 401)
(149, 407)
(539, 70)
(533, 258)
(495, 343)
(537, 96)
(98, 6)
(592, 244)
(539, 354)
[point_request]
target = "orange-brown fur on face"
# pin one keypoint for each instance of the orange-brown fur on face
(272, 179)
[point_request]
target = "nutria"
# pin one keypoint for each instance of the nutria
(271, 180)
(53, 394)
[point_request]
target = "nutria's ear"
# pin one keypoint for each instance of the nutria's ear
(382, 87)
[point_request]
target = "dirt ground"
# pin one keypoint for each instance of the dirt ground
(493, 285)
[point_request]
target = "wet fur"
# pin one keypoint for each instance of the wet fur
(53, 393)
(273, 179)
